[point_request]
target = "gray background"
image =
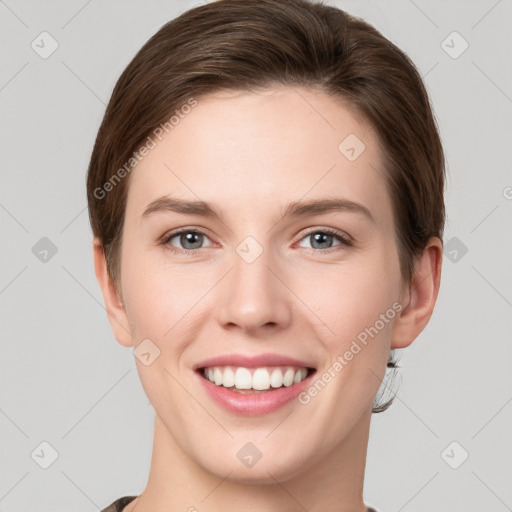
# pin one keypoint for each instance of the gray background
(66, 381)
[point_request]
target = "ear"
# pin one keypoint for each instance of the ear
(421, 296)
(113, 299)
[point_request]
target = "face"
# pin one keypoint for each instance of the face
(267, 284)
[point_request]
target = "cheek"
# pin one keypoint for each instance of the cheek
(162, 299)
(349, 298)
(145, 290)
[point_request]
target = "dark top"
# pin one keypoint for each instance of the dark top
(119, 504)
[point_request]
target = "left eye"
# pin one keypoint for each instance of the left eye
(322, 239)
(187, 238)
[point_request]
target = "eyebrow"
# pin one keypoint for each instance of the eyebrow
(295, 209)
(185, 207)
(317, 207)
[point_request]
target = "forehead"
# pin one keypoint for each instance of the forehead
(242, 148)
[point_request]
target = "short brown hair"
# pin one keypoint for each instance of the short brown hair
(248, 44)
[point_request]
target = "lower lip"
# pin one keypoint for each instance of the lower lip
(253, 404)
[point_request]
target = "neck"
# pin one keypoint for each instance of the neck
(332, 483)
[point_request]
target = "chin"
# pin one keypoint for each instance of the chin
(264, 471)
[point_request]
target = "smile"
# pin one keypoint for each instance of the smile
(255, 380)
(264, 385)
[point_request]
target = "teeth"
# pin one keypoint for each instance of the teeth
(276, 379)
(228, 379)
(217, 376)
(288, 377)
(259, 379)
(243, 379)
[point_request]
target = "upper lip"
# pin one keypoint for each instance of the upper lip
(245, 361)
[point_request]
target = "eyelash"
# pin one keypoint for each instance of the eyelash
(344, 240)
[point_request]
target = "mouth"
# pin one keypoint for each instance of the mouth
(253, 384)
(255, 380)
(254, 391)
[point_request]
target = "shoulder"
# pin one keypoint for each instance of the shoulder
(119, 504)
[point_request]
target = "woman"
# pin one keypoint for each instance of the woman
(266, 198)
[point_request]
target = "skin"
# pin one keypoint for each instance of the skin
(252, 154)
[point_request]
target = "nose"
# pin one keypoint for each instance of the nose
(253, 296)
